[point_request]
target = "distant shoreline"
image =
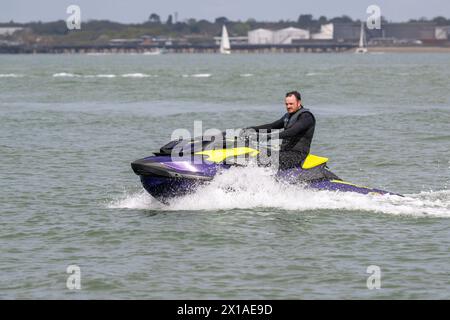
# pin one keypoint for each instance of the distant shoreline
(423, 49)
(332, 48)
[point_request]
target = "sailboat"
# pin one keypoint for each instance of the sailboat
(225, 42)
(362, 47)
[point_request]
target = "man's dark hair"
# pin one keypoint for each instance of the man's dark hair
(294, 93)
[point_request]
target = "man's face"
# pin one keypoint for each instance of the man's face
(292, 104)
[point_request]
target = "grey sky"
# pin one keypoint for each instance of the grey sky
(139, 10)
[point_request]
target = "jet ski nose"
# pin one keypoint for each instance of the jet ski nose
(145, 166)
(162, 167)
(138, 166)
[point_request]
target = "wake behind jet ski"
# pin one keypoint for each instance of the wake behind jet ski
(181, 166)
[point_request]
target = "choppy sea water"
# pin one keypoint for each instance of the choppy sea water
(71, 124)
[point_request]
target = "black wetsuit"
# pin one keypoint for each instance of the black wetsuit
(296, 137)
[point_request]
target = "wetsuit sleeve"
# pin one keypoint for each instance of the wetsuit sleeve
(279, 124)
(302, 124)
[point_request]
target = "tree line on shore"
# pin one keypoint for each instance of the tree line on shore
(101, 31)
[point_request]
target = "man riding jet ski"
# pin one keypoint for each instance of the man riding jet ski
(182, 166)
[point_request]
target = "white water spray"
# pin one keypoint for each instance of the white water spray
(253, 188)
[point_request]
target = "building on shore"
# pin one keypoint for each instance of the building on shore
(326, 32)
(278, 37)
(346, 31)
(410, 31)
(260, 36)
(285, 36)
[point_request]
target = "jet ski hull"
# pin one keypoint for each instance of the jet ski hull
(163, 188)
(165, 178)
(321, 178)
(339, 185)
(165, 185)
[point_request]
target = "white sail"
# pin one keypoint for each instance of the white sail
(362, 47)
(225, 42)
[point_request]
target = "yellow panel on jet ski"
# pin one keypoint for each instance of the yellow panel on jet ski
(221, 154)
(312, 161)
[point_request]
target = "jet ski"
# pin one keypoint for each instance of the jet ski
(181, 166)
